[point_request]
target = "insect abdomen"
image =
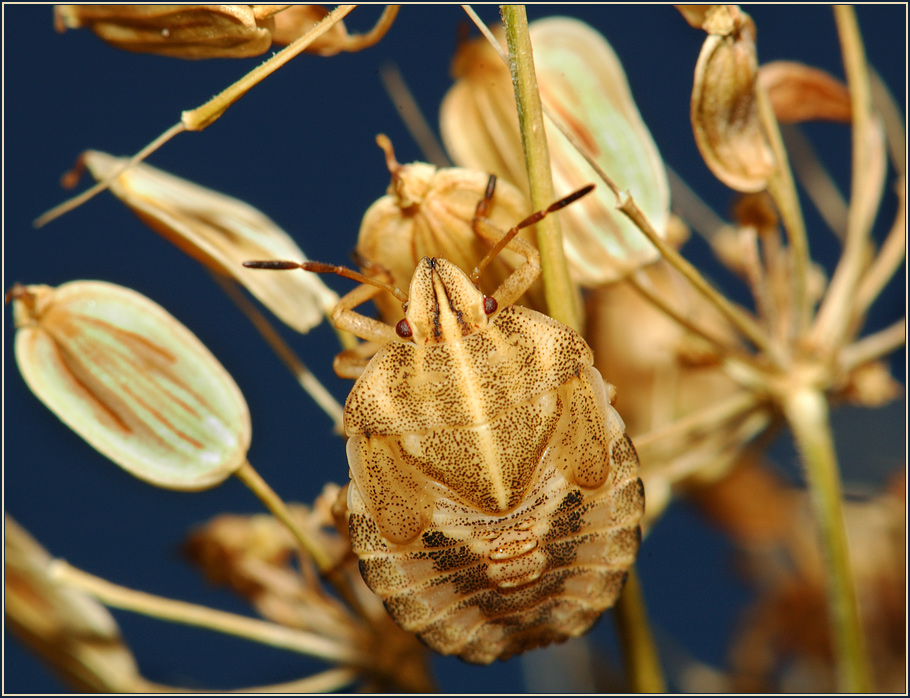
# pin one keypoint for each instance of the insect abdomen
(486, 587)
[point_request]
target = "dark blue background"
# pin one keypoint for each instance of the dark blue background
(301, 147)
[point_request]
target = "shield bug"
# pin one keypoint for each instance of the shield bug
(494, 501)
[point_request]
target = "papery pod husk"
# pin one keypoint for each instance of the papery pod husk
(74, 633)
(583, 86)
(662, 374)
(221, 232)
(132, 381)
(800, 92)
(180, 31)
(428, 211)
(724, 106)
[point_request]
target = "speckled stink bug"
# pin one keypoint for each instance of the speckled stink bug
(494, 501)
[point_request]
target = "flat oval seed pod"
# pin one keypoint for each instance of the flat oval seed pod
(132, 381)
(583, 87)
(221, 232)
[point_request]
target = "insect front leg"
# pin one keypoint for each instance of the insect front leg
(344, 317)
(524, 275)
(351, 362)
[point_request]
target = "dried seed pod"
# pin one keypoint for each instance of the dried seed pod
(724, 108)
(800, 92)
(68, 628)
(429, 211)
(213, 31)
(221, 232)
(182, 31)
(132, 381)
(583, 87)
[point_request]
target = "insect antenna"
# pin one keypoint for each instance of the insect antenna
(320, 268)
(535, 217)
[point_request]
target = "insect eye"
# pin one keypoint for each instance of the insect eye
(403, 328)
(489, 305)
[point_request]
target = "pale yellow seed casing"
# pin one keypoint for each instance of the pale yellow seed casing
(495, 498)
(429, 211)
(133, 382)
(221, 232)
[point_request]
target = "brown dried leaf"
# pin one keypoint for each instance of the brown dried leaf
(724, 110)
(70, 630)
(132, 381)
(181, 31)
(799, 92)
(221, 232)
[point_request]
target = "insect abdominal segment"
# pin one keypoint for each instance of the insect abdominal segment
(494, 501)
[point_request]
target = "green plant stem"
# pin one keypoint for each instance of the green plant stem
(561, 294)
(806, 409)
(639, 650)
(253, 480)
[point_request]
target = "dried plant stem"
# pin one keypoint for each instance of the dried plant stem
(783, 191)
(816, 180)
(874, 346)
(642, 285)
(690, 207)
(324, 682)
(200, 117)
(737, 316)
(320, 556)
(101, 186)
(714, 418)
(413, 117)
(806, 410)
(888, 260)
(304, 376)
(562, 297)
(643, 667)
(162, 608)
(832, 321)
